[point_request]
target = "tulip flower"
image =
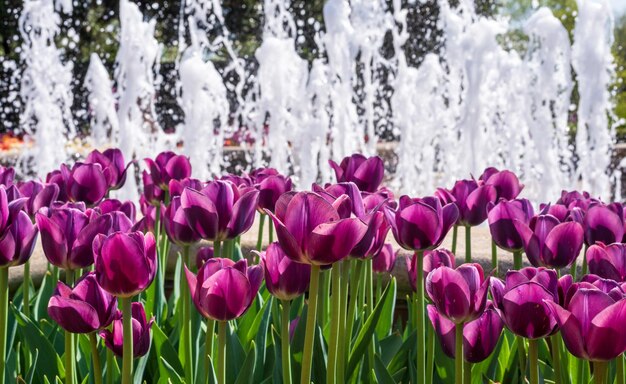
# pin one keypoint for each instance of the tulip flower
(218, 212)
(203, 255)
(374, 238)
(505, 182)
(385, 259)
(604, 223)
(550, 243)
(366, 173)
(114, 339)
(176, 187)
(175, 223)
(152, 193)
(39, 195)
(113, 166)
(114, 205)
(83, 309)
(575, 199)
(431, 260)
(7, 174)
(270, 189)
(502, 218)
(284, 278)
(18, 235)
(472, 199)
(86, 183)
(125, 263)
(608, 261)
(480, 336)
(167, 166)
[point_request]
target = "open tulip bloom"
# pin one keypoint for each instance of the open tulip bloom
(366, 173)
(504, 218)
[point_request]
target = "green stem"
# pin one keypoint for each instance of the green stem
(208, 346)
(271, 229)
(69, 338)
(600, 372)
(185, 345)
(468, 244)
(354, 292)
(455, 231)
(227, 250)
(533, 360)
(458, 355)
(159, 292)
(556, 361)
(4, 302)
(572, 270)
(259, 240)
(309, 337)
(221, 354)
(585, 260)
(95, 358)
(379, 286)
(370, 307)
(217, 248)
(521, 354)
(26, 289)
(127, 362)
(323, 302)
(341, 350)
(494, 257)
(430, 353)
(331, 371)
(467, 372)
(619, 369)
(285, 342)
(421, 347)
(517, 260)
(110, 362)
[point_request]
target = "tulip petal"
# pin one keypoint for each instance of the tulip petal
(445, 330)
(606, 339)
(570, 329)
(563, 244)
(75, 316)
(243, 214)
(305, 212)
(331, 242)
(525, 312)
(287, 241)
(201, 213)
(225, 294)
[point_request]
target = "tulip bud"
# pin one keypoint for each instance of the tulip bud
(113, 166)
(86, 183)
(175, 223)
(39, 195)
(385, 259)
(608, 262)
(114, 339)
(366, 173)
(167, 166)
(502, 222)
(284, 278)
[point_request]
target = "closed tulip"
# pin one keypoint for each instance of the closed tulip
(113, 166)
(270, 188)
(472, 200)
(39, 195)
(113, 205)
(60, 177)
(522, 301)
(7, 174)
(86, 183)
(152, 193)
(604, 223)
(503, 221)
(83, 309)
(459, 294)
(218, 212)
(592, 323)
(175, 223)
(203, 255)
(432, 260)
(366, 173)
(385, 259)
(114, 338)
(223, 290)
(480, 336)
(167, 166)
(550, 243)
(18, 235)
(421, 224)
(505, 182)
(311, 231)
(608, 261)
(284, 278)
(125, 263)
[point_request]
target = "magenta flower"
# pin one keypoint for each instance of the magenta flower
(284, 278)
(18, 235)
(480, 336)
(167, 166)
(607, 261)
(270, 188)
(604, 223)
(60, 177)
(592, 322)
(472, 199)
(505, 182)
(421, 224)
(39, 195)
(114, 205)
(125, 263)
(522, 301)
(203, 255)
(504, 218)
(176, 187)
(223, 290)
(218, 212)
(85, 308)
(7, 175)
(550, 243)
(175, 223)
(366, 173)
(113, 166)
(385, 259)
(114, 339)
(311, 231)
(432, 259)
(152, 193)
(86, 183)
(459, 294)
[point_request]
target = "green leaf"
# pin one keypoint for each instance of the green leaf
(389, 346)
(382, 374)
(319, 358)
(170, 373)
(33, 367)
(164, 350)
(385, 323)
(247, 374)
(364, 336)
(234, 354)
(260, 338)
(51, 366)
(40, 309)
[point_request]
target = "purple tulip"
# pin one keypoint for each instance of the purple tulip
(311, 231)
(592, 322)
(176, 187)
(7, 175)
(522, 301)
(505, 182)
(421, 224)
(148, 221)
(114, 339)
(480, 336)
(374, 238)
(113, 166)
(125, 263)
(575, 199)
(223, 290)
(86, 183)
(366, 173)
(243, 181)
(203, 255)
(550, 243)
(459, 294)
(168, 166)
(345, 197)
(152, 193)
(607, 261)
(432, 259)
(270, 189)
(284, 278)
(472, 200)
(502, 222)
(60, 177)
(114, 205)
(604, 223)
(175, 223)
(385, 259)
(84, 309)
(218, 212)
(39, 195)
(17, 233)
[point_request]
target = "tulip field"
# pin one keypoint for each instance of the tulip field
(317, 303)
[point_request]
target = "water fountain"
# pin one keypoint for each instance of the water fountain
(477, 103)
